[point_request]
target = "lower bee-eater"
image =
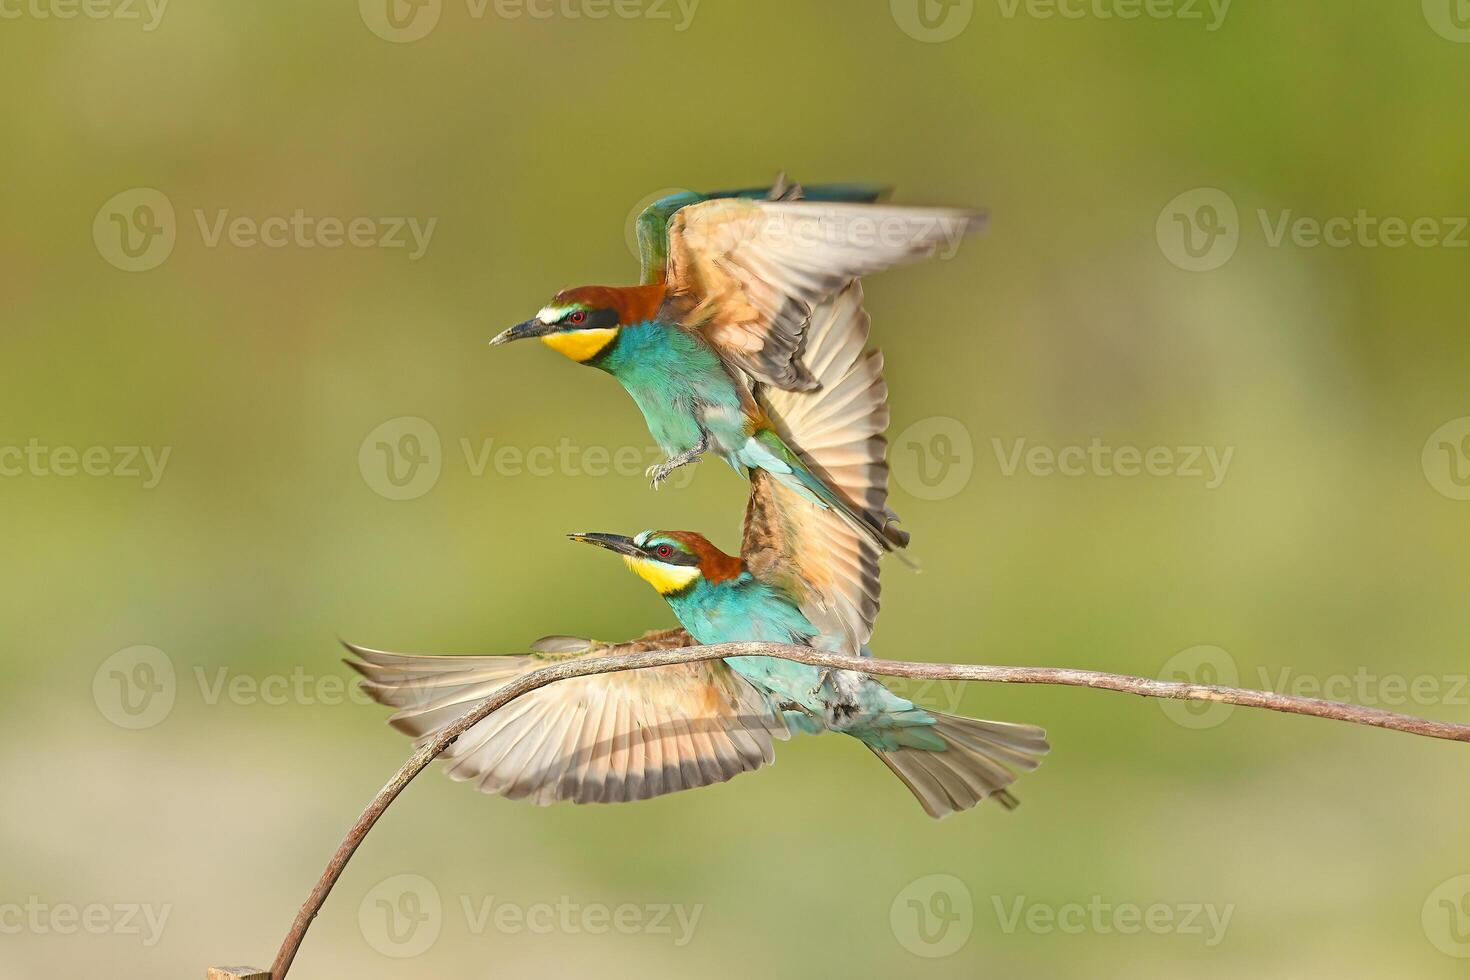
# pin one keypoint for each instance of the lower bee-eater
(804, 576)
(730, 282)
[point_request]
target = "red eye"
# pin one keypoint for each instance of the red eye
(663, 551)
(579, 316)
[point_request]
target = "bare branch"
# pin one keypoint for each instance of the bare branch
(563, 670)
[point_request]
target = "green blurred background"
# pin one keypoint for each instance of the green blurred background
(1335, 544)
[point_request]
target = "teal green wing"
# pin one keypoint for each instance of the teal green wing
(653, 222)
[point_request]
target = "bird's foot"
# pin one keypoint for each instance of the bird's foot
(817, 688)
(659, 472)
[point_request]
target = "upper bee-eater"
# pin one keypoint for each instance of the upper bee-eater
(730, 281)
(804, 576)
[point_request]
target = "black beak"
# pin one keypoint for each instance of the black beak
(612, 542)
(521, 331)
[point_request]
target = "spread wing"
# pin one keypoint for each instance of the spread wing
(653, 221)
(606, 738)
(839, 431)
(749, 273)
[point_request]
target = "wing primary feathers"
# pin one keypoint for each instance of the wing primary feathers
(603, 738)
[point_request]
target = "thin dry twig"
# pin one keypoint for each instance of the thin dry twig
(563, 670)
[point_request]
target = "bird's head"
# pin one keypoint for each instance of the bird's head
(584, 322)
(670, 561)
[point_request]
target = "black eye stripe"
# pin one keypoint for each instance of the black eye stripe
(675, 556)
(592, 319)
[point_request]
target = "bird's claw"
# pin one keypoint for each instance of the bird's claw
(816, 691)
(659, 472)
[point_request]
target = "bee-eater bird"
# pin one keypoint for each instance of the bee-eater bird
(803, 576)
(730, 281)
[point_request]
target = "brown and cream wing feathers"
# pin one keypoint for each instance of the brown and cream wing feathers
(605, 738)
(838, 430)
(749, 273)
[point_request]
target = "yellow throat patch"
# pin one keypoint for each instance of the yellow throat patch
(581, 345)
(664, 578)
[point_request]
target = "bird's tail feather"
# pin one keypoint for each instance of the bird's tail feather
(980, 759)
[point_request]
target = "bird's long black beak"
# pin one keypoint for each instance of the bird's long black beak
(612, 542)
(521, 331)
